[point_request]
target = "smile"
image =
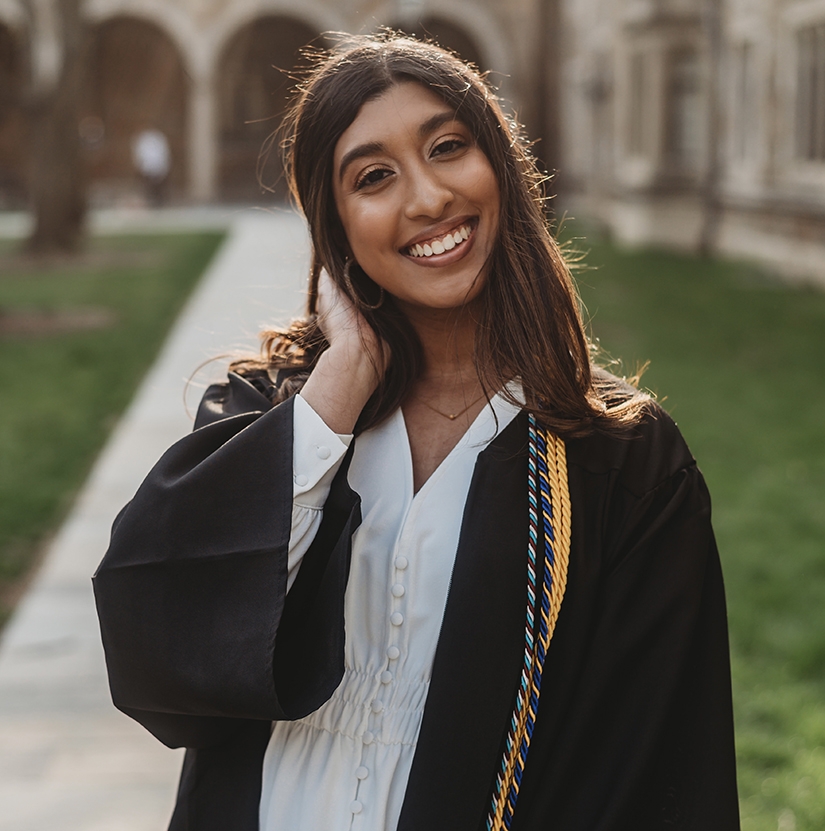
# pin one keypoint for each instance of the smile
(438, 245)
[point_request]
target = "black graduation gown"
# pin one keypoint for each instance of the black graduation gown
(634, 729)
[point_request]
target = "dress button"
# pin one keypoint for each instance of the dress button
(398, 590)
(396, 618)
(393, 652)
(376, 706)
(323, 452)
(355, 806)
(401, 563)
(368, 737)
(386, 677)
(301, 480)
(361, 773)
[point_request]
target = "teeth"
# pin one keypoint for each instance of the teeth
(439, 246)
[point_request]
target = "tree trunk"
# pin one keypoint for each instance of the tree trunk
(58, 192)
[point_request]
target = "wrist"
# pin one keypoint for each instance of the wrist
(341, 383)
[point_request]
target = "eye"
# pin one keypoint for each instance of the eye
(447, 146)
(372, 176)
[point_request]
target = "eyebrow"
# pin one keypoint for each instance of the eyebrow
(372, 147)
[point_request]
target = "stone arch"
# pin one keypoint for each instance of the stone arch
(451, 36)
(483, 27)
(318, 15)
(14, 159)
(253, 83)
(136, 82)
(173, 19)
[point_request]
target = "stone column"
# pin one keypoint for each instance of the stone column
(203, 140)
(658, 112)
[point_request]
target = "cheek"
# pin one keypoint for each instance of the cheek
(492, 188)
(360, 224)
(484, 183)
(488, 195)
(369, 231)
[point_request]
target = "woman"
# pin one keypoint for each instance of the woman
(500, 605)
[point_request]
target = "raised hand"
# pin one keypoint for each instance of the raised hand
(339, 318)
(347, 373)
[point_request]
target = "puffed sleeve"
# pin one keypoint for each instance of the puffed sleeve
(317, 453)
(198, 630)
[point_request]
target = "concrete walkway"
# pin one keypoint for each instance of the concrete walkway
(68, 760)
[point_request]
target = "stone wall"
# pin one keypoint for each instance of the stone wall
(699, 130)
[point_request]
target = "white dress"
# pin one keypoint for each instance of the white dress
(346, 765)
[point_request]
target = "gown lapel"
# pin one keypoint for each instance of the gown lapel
(480, 648)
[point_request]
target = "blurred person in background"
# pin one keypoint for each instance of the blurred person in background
(151, 156)
(424, 564)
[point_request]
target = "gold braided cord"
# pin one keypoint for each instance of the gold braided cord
(560, 495)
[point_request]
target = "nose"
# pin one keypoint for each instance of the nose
(427, 194)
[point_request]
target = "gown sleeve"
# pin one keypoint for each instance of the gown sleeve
(198, 629)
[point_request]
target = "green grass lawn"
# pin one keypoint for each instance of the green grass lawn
(737, 359)
(75, 339)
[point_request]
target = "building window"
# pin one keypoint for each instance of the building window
(810, 98)
(684, 126)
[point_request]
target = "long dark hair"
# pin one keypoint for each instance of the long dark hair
(529, 325)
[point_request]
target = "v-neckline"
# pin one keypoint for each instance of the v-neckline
(484, 414)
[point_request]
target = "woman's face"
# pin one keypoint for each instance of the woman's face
(418, 199)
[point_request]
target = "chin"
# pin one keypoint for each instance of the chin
(448, 300)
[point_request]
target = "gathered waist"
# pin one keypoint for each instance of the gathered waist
(361, 704)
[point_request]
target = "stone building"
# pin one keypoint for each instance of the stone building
(699, 124)
(210, 75)
(691, 123)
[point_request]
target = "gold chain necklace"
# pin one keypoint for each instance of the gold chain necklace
(452, 416)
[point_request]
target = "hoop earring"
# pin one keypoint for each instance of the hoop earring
(359, 301)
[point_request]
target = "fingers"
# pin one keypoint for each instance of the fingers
(338, 316)
(345, 327)
(347, 373)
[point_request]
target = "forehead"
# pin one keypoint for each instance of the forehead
(397, 113)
